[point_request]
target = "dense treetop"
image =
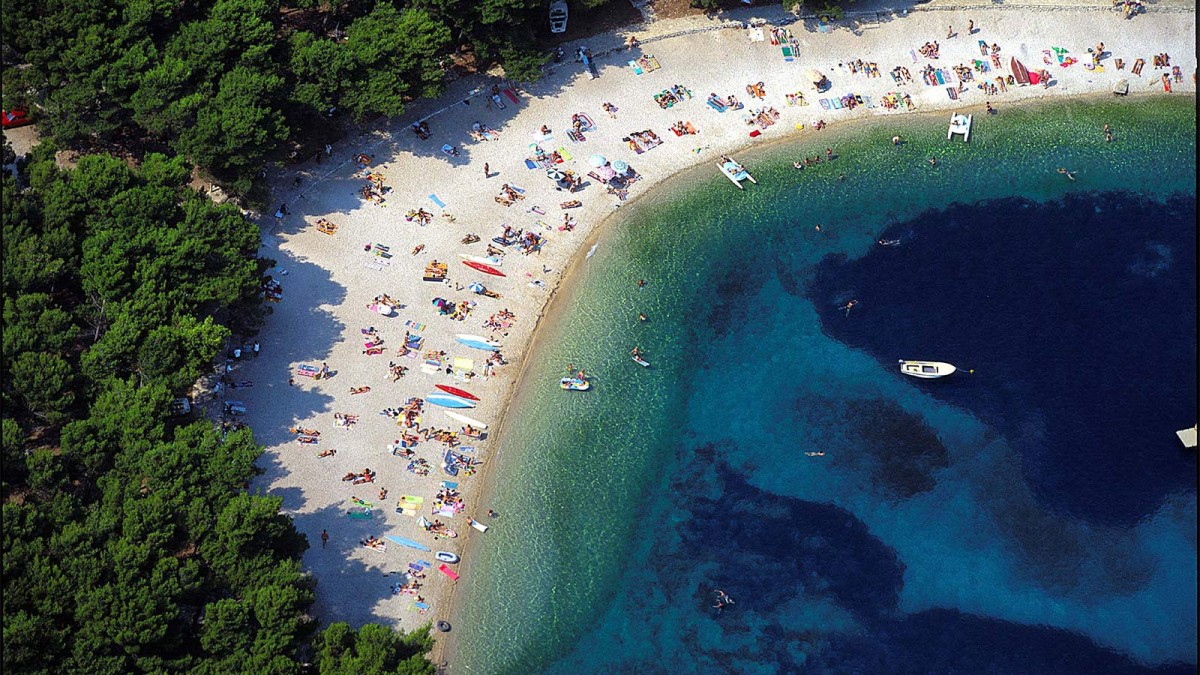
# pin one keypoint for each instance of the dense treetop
(130, 542)
(226, 83)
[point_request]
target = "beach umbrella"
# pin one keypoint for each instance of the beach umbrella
(555, 174)
(620, 167)
(597, 161)
(476, 287)
(815, 75)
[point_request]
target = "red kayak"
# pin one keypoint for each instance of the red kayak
(457, 392)
(486, 269)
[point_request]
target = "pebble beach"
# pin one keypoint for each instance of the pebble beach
(330, 278)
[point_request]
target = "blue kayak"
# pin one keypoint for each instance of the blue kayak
(448, 401)
(477, 342)
(406, 542)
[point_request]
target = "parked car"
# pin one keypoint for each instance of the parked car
(20, 117)
(558, 17)
(180, 407)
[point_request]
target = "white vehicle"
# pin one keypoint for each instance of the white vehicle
(558, 17)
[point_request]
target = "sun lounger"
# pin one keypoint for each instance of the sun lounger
(788, 53)
(444, 569)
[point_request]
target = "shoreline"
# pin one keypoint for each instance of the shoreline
(674, 159)
(485, 486)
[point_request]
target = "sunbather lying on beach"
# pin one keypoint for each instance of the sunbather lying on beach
(359, 390)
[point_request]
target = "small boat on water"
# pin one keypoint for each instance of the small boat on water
(960, 125)
(1187, 437)
(446, 556)
(461, 393)
(926, 369)
(574, 384)
(735, 172)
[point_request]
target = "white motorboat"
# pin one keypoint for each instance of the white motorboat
(1187, 437)
(926, 369)
(959, 125)
(735, 172)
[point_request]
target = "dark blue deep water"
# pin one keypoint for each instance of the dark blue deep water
(1078, 318)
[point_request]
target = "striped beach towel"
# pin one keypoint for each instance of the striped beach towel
(414, 325)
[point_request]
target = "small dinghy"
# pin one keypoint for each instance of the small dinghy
(735, 172)
(446, 556)
(926, 369)
(574, 384)
(960, 125)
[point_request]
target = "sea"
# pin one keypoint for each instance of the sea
(1032, 513)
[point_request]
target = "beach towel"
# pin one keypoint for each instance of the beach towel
(952, 93)
(562, 152)
(512, 96)
(825, 104)
(938, 76)
(449, 484)
(913, 52)
(425, 564)
(445, 511)
(414, 325)
(448, 572)
(377, 266)
(437, 200)
(836, 103)
(530, 164)
(756, 35)
(788, 54)
(637, 70)
(421, 606)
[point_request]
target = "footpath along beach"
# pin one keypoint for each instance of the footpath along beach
(367, 226)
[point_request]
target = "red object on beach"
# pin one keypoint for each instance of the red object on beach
(448, 572)
(486, 269)
(755, 133)
(457, 392)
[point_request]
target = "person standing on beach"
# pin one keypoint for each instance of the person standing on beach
(971, 27)
(324, 538)
(487, 170)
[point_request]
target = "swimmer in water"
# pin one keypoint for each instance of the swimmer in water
(933, 161)
(1069, 174)
(641, 283)
(797, 165)
(849, 306)
(641, 317)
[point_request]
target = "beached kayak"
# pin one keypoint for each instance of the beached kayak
(448, 401)
(465, 420)
(406, 542)
(446, 556)
(461, 393)
(477, 342)
(484, 267)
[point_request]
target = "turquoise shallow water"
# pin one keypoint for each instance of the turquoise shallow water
(622, 508)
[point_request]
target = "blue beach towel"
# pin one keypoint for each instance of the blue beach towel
(434, 198)
(424, 563)
(637, 70)
(530, 164)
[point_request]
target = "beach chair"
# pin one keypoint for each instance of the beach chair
(789, 54)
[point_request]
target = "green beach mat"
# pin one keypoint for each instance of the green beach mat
(564, 154)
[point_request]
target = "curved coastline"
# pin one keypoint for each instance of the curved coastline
(545, 308)
(557, 305)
